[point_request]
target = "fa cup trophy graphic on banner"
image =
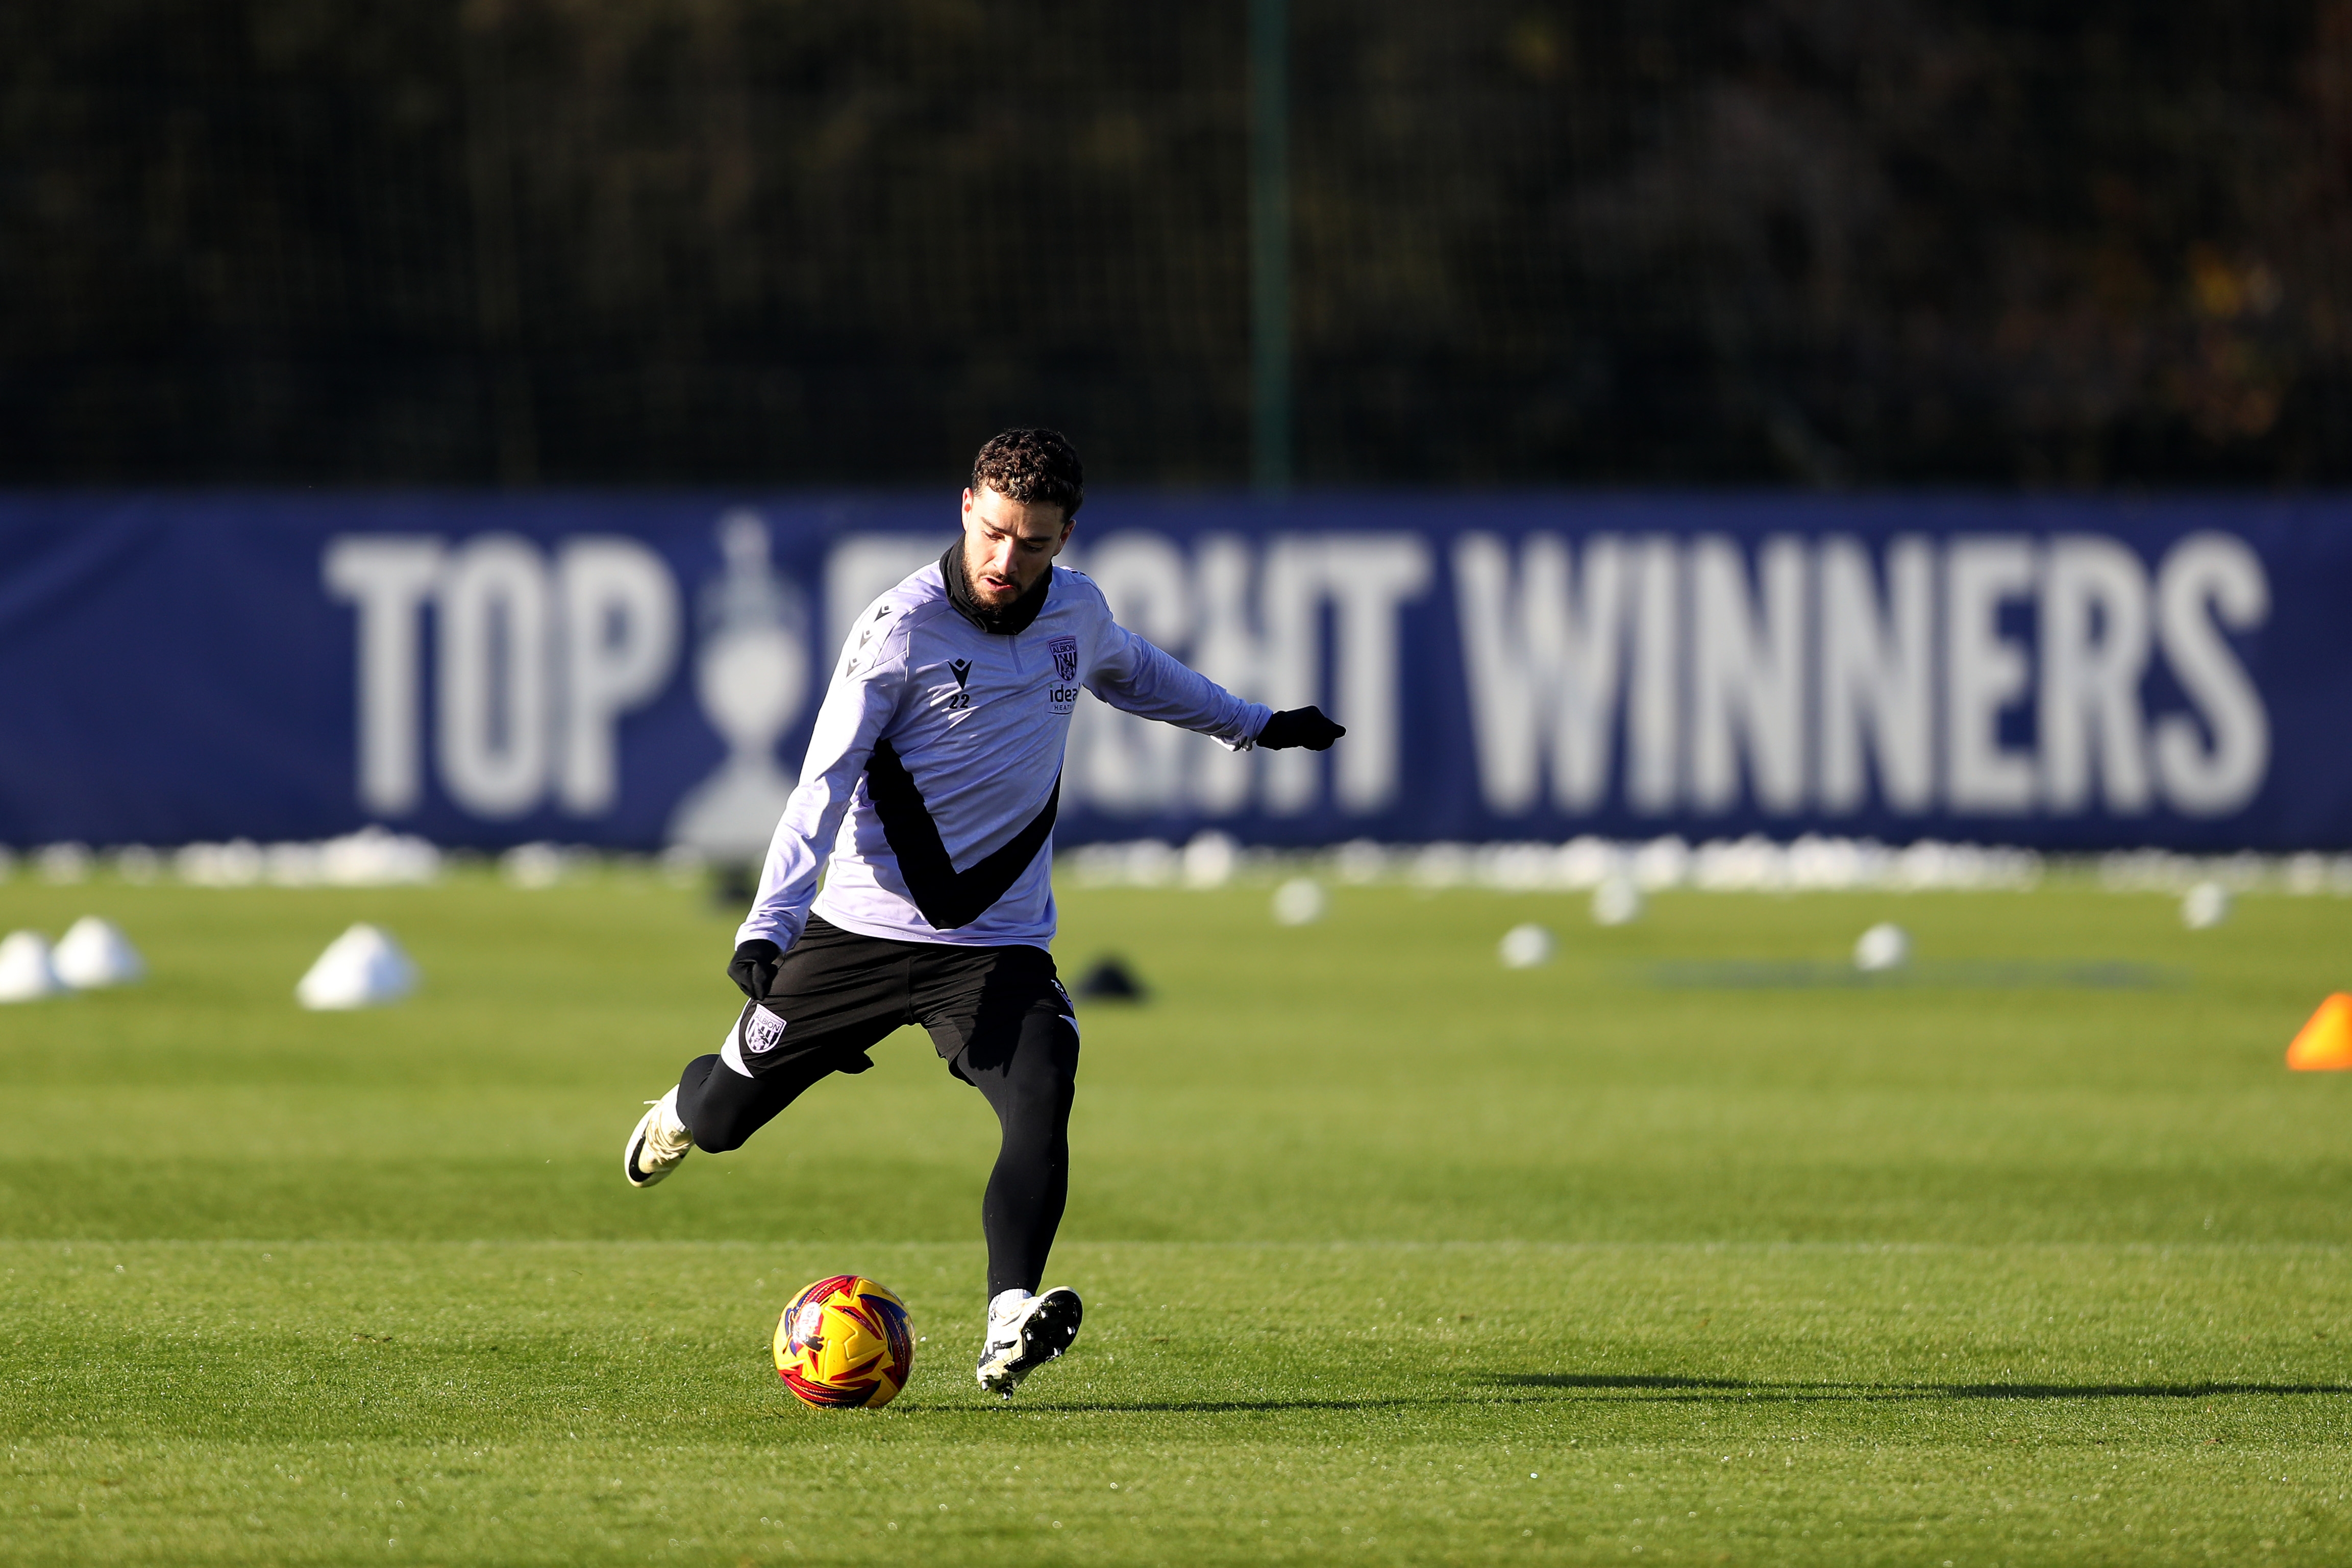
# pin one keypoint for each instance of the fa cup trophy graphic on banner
(751, 675)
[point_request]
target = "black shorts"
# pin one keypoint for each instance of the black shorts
(838, 993)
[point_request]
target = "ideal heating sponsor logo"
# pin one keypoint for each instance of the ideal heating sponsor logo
(1064, 693)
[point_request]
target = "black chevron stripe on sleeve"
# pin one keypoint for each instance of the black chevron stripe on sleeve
(947, 898)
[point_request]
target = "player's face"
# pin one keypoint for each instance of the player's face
(1008, 545)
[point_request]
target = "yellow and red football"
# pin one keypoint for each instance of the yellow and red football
(845, 1341)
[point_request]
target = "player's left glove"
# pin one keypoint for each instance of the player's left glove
(1306, 726)
(754, 968)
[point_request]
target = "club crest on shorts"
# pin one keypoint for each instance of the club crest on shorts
(1065, 656)
(763, 1031)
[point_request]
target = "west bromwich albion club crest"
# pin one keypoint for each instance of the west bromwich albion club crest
(1065, 656)
(763, 1031)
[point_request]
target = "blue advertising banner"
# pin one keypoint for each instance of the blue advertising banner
(643, 671)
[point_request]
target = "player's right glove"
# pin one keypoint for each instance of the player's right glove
(1306, 726)
(754, 968)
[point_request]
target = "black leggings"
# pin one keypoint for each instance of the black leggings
(1030, 1087)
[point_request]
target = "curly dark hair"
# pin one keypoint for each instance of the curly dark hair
(1036, 467)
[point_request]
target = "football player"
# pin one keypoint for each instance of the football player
(926, 807)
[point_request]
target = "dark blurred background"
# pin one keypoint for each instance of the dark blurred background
(591, 242)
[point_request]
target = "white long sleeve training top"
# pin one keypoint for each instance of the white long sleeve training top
(935, 767)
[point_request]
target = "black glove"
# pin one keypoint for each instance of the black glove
(1305, 727)
(754, 968)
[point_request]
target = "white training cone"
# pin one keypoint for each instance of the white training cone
(2205, 906)
(1525, 947)
(95, 953)
(363, 967)
(27, 971)
(1300, 901)
(1209, 858)
(1616, 901)
(1883, 948)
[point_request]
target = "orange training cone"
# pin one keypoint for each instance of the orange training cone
(2324, 1044)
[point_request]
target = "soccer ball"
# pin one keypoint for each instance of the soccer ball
(845, 1341)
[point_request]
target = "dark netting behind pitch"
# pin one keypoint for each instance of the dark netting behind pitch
(700, 241)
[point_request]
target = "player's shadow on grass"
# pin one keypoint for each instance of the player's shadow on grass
(1708, 1389)
(1656, 1388)
(1213, 1407)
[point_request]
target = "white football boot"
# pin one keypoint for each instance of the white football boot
(1024, 1333)
(657, 1146)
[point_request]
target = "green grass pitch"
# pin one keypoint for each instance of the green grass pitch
(1391, 1255)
